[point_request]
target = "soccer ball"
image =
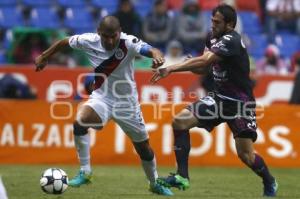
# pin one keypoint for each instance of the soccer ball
(54, 181)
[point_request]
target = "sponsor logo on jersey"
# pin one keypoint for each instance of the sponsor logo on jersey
(218, 45)
(219, 75)
(136, 40)
(119, 54)
(227, 37)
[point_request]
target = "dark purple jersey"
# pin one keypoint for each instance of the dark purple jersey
(231, 75)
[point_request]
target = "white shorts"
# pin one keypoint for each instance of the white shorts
(126, 113)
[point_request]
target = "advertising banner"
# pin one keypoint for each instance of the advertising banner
(35, 132)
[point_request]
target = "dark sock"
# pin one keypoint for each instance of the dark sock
(182, 148)
(261, 169)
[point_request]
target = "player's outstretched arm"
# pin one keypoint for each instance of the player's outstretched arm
(154, 53)
(198, 71)
(193, 64)
(42, 60)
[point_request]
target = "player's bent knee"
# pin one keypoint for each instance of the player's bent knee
(179, 124)
(79, 130)
(86, 121)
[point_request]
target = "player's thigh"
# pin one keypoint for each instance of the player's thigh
(132, 123)
(185, 119)
(244, 126)
(205, 113)
(93, 113)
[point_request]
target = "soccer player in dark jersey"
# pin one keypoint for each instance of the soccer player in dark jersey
(231, 101)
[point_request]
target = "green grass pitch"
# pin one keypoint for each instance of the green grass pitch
(126, 182)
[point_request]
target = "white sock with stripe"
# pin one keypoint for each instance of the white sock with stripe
(82, 144)
(150, 170)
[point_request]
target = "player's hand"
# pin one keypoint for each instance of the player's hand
(159, 74)
(157, 62)
(40, 62)
(157, 58)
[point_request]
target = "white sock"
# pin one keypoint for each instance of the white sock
(3, 194)
(150, 170)
(82, 144)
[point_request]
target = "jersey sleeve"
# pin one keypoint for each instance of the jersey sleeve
(226, 46)
(79, 41)
(135, 44)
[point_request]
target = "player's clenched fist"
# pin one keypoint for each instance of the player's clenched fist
(40, 62)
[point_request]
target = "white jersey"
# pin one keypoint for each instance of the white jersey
(114, 70)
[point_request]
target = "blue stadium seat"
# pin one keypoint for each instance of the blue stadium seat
(110, 5)
(3, 58)
(79, 31)
(10, 17)
(78, 18)
(44, 18)
(71, 3)
(143, 7)
(250, 20)
(288, 44)
(207, 17)
(8, 3)
(37, 3)
(258, 44)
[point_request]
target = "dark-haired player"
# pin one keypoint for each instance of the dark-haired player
(231, 101)
(111, 53)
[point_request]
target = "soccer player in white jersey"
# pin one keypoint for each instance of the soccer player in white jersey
(111, 53)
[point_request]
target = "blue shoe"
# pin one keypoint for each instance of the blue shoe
(80, 179)
(270, 189)
(175, 180)
(160, 189)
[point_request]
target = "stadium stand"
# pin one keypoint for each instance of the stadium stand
(8, 3)
(73, 3)
(10, 17)
(37, 3)
(252, 6)
(78, 16)
(44, 18)
(79, 20)
(288, 44)
(110, 6)
(251, 23)
(258, 43)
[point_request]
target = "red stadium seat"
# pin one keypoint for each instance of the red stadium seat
(175, 4)
(246, 5)
(208, 4)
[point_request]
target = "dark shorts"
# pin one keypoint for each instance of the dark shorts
(240, 116)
